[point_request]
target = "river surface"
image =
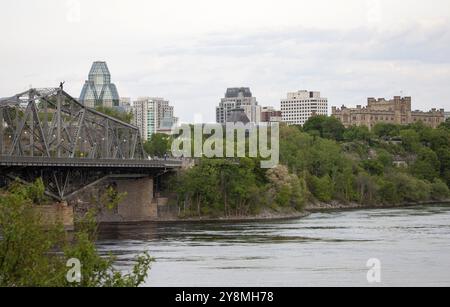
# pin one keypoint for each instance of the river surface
(324, 249)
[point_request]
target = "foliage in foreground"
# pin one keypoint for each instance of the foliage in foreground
(32, 255)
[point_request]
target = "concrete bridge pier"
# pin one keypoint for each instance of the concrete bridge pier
(139, 203)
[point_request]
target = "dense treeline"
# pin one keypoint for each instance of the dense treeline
(323, 161)
(357, 165)
(235, 188)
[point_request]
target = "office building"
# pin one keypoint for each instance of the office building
(300, 106)
(125, 104)
(270, 115)
(238, 99)
(153, 115)
(98, 91)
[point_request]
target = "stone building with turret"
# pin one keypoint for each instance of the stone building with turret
(395, 111)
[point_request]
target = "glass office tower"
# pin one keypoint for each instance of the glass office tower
(98, 89)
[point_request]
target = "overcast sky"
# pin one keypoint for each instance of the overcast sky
(190, 51)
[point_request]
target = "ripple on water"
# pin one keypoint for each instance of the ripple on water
(322, 249)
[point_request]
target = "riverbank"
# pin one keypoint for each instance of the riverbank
(336, 205)
(265, 215)
(269, 215)
(274, 215)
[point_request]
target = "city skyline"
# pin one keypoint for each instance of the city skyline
(348, 52)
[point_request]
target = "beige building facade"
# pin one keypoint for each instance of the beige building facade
(153, 115)
(395, 111)
(300, 106)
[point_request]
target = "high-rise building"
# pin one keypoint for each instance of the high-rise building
(125, 104)
(238, 99)
(300, 106)
(153, 115)
(98, 89)
(270, 115)
(144, 117)
(395, 111)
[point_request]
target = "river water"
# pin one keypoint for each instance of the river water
(324, 249)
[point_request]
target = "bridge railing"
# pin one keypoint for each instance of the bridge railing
(97, 163)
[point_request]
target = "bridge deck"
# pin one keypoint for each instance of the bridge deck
(87, 163)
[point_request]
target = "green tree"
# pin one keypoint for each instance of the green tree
(33, 254)
(374, 167)
(242, 186)
(358, 133)
(321, 188)
(385, 158)
(443, 155)
(367, 188)
(287, 189)
(410, 140)
(438, 138)
(126, 117)
(410, 189)
(427, 165)
(344, 183)
(328, 127)
(445, 125)
(315, 123)
(439, 190)
(388, 192)
(332, 128)
(384, 130)
(158, 145)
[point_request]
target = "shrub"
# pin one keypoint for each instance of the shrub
(34, 256)
(374, 167)
(427, 165)
(439, 190)
(321, 188)
(410, 189)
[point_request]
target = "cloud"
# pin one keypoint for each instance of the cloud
(190, 52)
(417, 42)
(346, 65)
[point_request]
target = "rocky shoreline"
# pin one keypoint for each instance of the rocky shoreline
(310, 208)
(267, 215)
(272, 215)
(335, 205)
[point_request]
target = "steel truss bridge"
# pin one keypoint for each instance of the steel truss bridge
(45, 133)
